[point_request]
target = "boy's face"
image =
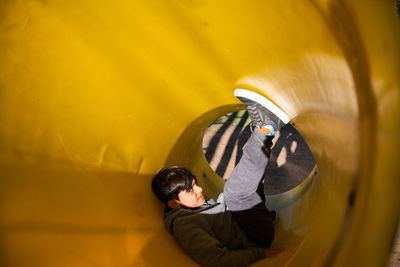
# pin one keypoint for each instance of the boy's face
(192, 199)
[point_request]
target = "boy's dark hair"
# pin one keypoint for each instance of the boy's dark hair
(169, 182)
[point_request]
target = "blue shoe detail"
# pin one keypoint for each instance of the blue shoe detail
(271, 128)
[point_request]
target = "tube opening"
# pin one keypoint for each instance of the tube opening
(291, 160)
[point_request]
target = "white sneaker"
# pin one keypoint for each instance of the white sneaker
(261, 110)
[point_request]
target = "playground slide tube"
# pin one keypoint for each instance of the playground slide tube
(96, 96)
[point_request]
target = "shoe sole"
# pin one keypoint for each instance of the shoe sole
(271, 107)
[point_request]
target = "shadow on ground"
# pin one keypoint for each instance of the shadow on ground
(290, 163)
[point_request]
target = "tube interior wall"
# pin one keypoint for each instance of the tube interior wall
(96, 96)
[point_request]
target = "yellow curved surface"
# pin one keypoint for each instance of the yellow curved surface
(96, 96)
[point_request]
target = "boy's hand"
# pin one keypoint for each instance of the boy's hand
(273, 252)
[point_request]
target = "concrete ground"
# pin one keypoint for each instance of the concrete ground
(290, 163)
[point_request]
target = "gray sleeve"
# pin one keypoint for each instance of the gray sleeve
(206, 250)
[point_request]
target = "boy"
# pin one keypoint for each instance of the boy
(237, 229)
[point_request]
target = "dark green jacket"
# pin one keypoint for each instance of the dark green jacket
(210, 236)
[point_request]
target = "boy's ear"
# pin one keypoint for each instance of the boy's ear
(173, 204)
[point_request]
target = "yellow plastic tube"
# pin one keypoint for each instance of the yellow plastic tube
(96, 96)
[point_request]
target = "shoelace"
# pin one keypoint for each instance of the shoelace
(254, 115)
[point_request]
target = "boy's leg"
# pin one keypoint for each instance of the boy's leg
(241, 188)
(241, 196)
